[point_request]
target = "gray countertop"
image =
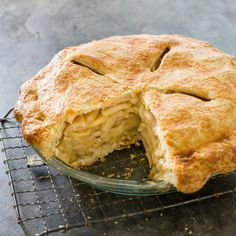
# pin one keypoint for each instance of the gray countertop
(31, 32)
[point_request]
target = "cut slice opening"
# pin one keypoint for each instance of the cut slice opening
(92, 136)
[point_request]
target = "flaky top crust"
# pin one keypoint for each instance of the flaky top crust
(199, 136)
(97, 74)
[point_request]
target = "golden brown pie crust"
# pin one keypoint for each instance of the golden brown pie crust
(188, 85)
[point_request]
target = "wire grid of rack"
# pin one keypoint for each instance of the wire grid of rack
(47, 201)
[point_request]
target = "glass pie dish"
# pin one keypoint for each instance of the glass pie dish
(122, 172)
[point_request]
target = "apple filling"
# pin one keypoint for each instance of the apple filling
(156, 150)
(94, 135)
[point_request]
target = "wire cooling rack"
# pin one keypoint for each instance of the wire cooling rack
(47, 201)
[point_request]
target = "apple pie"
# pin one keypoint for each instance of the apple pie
(176, 94)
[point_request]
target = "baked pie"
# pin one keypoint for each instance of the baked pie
(176, 94)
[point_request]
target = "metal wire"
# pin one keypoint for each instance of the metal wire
(6, 115)
(46, 201)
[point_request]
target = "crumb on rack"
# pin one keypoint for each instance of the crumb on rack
(111, 175)
(132, 156)
(138, 144)
(102, 159)
(128, 173)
